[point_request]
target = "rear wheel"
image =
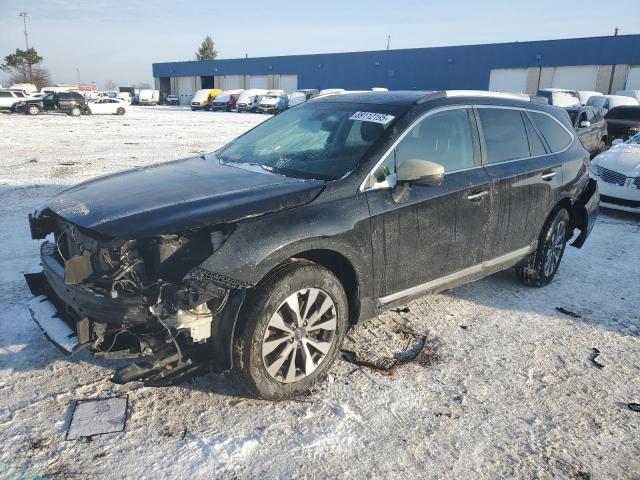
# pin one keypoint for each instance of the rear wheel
(75, 112)
(547, 257)
(293, 326)
(120, 111)
(33, 110)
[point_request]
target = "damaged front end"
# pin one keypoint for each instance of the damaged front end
(131, 298)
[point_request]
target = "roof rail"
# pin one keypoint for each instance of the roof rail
(473, 93)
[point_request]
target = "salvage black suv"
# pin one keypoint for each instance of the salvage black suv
(71, 103)
(257, 258)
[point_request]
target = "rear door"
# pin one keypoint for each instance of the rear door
(424, 233)
(524, 178)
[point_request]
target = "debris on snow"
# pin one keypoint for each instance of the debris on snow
(568, 312)
(97, 416)
(592, 357)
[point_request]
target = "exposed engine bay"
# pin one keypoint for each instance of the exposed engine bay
(144, 297)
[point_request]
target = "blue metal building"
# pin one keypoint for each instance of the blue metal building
(605, 64)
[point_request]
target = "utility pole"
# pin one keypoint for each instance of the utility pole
(24, 16)
(615, 32)
(78, 72)
(388, 41)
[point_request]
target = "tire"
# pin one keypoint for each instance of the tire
(601, 146)
(33, 110)
(120, 111)
(75, 112)
(547, 257)
(265, 343)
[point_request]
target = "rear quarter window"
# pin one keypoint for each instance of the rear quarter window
(554, 133)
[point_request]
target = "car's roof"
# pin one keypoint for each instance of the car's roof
(408, 98)
(397, 97)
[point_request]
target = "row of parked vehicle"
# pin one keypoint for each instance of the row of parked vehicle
(71, 103)
(255, 99)
(598, 119)
(609, 128)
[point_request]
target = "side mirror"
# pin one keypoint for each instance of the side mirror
(585, 124)
(617, 141)
(423, 172)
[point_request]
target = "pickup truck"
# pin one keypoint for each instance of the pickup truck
(71, 103)
(591, 127)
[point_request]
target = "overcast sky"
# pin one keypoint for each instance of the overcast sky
(119, 40)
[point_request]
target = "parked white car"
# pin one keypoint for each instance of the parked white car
(8, 98)
(249, 100)
(630, 93)
(585, 95)
(108, 106)
(617, 172)
(302, 95)
(606, 102)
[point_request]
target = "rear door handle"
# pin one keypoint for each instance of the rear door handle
(548, 175)
(477, 196)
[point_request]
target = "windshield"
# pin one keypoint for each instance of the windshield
(315, 140)
(201, 95)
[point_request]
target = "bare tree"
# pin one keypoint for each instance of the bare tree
(110, 85)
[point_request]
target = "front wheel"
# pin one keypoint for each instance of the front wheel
(75, 112)
(547, 257)
(292, 330)
(33, 110)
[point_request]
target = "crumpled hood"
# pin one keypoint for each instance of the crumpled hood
(178, 196)
(623, 158)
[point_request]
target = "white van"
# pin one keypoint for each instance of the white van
(629, 93)
(149, 97)
(249, 100)
(124, 96)
(560, 97)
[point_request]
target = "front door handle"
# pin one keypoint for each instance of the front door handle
(548, 175)
(477, 196)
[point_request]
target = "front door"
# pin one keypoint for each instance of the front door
(422, 233)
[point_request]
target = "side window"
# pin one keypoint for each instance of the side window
(5, 94)
(504, 134)
(536, 147)
(591, 116)
(557, 137)
(444, 138)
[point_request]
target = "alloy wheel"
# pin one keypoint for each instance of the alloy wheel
(299, 335)
(554, 252)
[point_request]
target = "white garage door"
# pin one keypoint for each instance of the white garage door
(513, 80)
(576, 78)
(185, 90)
(633, 78)
(231, 82)
(288, 83)
(259, 81)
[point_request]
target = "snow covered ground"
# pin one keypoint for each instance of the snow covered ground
(508, 390)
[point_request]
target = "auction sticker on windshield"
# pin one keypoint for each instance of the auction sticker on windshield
(382, 118)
